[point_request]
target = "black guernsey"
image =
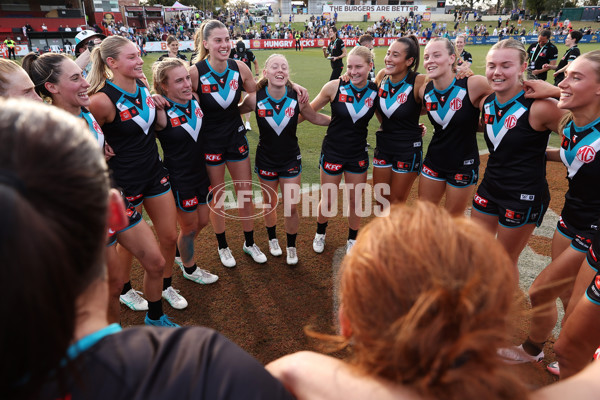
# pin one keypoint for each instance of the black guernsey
(131, 134)
(516, 170)
(351, 111)
(579, 152)
(219, 95)
(277, 122)
(93, 126)
(180, 140)
(400, 114)
(164, 363)
(455, 121)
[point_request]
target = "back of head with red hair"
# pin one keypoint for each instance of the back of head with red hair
(426, 297)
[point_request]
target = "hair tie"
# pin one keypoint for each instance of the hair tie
(9, 178)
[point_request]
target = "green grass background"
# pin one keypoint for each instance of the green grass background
(310, 69)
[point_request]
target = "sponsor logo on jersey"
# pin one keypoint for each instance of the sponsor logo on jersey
(586, 154)
(510, 122)
(455, 104)
(565, 143)
(460, 177)
(431, 106)
(383, 93)
(129, 212)
(150, 102)
(362, 163)
(480, 200)
(198, 113)
(209, 88)
(289, 112)
(344, 98)
(265, 113)
(128, 114)
(527, 197)
(488, 119)
(213, 157)
(379, 161)
(242, 149)
(402, 165)
(332, 167)
(190, 202)
(164, 180)
(368, 102)
(470, 161)
(96, 127)
(562, 223)
(597, 282)
(233, 85)
(401, 99)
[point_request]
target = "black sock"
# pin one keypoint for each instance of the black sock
(352, 233)
(291, 239)
(272, 232)
(222, 241)
(533, 348)
(155, 310)
(321, 228)
(189, 270)
(126, 288)
(249, 237)
(166, 283)
(177, 252)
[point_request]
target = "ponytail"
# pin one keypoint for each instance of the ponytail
(100, 72)
(202, 34)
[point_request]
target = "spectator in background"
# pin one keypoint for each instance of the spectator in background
(335, 52)
(10, 46)
(570, 55)
(465, 58)
(84, 43)
(173, 46)
(44, 27)
(241, 53)
(367, 41)
(541, 56)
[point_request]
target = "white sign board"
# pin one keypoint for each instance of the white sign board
(374, 9)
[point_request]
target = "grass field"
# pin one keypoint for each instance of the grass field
(311, 70)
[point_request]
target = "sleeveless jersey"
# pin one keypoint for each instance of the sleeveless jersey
(277, 122)
(516, 168)
(455, 121)
(351, 111)
(131, 134)
(180, 140)
(93, 126)
(579, 152)
(400, 114)
(219, 95)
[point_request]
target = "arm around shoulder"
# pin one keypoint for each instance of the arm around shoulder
(545, 115)
(247, 79)
(310, 115)
(478, 88)
(326, 95)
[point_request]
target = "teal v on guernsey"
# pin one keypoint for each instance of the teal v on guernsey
(393, 95)
(187, 116)
(221, 87)
(500, 118)
(442, 105)
(357, 101)
(277, 113)
(580, 146)
(132, 106)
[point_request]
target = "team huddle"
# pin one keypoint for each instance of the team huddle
(196, 115)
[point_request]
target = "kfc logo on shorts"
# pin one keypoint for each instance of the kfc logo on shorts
(164, 180)
(233, 85)
(561, 222)
(401, 99)
(213, 157)
(456, 104)
(289, 112)
(510, 122)
(198, 113)
(332, 167)
(377, 161)
(150, 102)
(369, 102)
(586, 154)
(267, 173)
(480, 200)
(134, 198)
(429, 172)
(190, 202)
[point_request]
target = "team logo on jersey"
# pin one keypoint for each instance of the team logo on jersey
(586, 154)
(574, 156)
(357, 109)
(271, 111)
(399, 96)
(497, 128)
(442, 111)
(133, 107)
(217, 86)
(188, 117)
